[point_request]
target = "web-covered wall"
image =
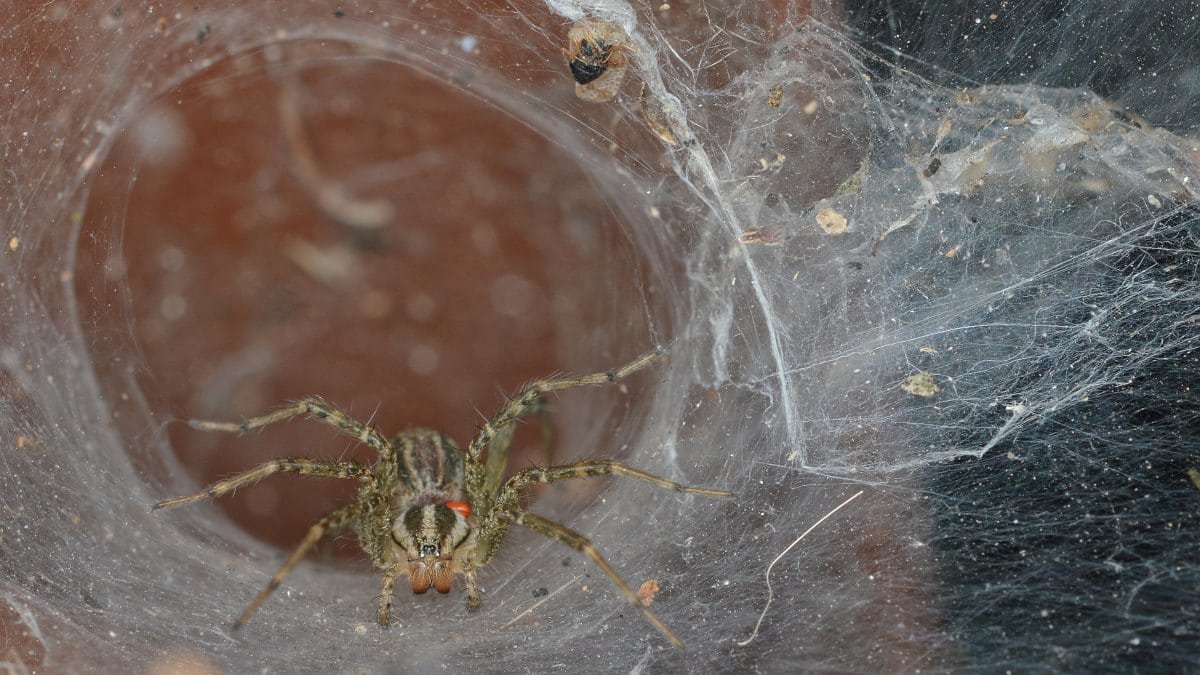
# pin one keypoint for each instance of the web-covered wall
(947, 259)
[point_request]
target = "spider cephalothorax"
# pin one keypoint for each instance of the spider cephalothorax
(430, 538)
(430, 510)
(430, 531)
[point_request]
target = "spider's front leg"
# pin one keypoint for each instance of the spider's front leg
(497, 432)
(473, 597)
(316, 409)
(385, 600)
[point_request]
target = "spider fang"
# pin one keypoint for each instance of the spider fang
(423, 575)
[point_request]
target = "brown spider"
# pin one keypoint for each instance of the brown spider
(596, 55)
(427, 509)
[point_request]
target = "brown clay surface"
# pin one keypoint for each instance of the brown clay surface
(243, 294)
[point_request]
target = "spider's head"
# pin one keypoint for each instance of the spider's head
(430, 535)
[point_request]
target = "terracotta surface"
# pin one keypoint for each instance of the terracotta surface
(243, 293)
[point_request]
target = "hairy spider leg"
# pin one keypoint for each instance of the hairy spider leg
(525, 400)
(385, 600)
(565, 535)
(337, 520)
(603, 467)
(497, 455)
(305, 467)
(316, 409)
(509, 509)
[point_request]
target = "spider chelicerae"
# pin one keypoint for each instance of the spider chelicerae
(429, 510)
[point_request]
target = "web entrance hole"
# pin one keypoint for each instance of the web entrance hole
(218, 279)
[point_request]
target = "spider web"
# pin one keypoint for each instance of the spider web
(949, 258)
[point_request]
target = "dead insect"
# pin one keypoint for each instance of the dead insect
(597, 56)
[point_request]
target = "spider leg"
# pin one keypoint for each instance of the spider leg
(565, 535)
(385, 600)
(306, 467)
(549, 439)
(473, 599)
(316, 409)
(337, 520)
(497, 459)
(497, 462)
(527, 398)
(602, 467)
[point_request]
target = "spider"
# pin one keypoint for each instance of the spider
(429, 510)
(597, 59)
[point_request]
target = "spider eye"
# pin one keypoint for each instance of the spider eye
(430, 549)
